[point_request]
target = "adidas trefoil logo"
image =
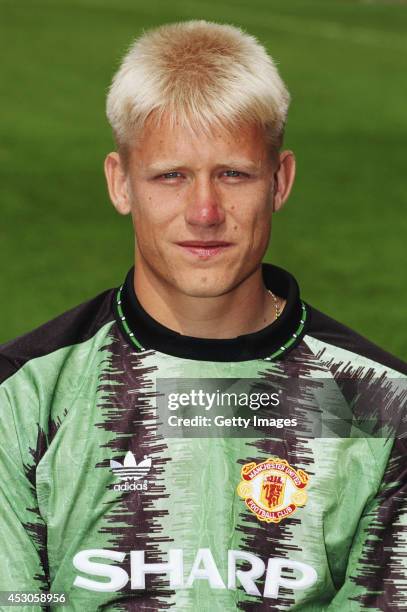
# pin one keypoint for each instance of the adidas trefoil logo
(131, 471)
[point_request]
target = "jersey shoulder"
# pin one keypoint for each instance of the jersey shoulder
(74, 326)
(331, 332)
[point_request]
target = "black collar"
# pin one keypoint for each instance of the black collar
(273, 341)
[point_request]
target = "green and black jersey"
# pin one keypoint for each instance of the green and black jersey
(113, 495)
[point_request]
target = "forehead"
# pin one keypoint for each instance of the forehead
(165, 142)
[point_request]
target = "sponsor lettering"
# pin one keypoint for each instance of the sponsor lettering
(203, 568)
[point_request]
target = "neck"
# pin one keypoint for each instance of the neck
(245, 309)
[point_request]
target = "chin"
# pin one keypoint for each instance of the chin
(203, 289)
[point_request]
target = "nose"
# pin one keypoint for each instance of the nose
(204, 206)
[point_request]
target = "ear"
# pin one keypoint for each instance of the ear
(283, 179)
(117, 186)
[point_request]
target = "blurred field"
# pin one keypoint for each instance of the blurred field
(343, 232)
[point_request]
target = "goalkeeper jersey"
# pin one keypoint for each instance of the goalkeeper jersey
(142, 469)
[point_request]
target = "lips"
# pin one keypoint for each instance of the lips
(204, 249)
(203, 244)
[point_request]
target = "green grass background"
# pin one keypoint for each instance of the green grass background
(343, 231)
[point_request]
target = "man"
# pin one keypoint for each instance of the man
(127, 484)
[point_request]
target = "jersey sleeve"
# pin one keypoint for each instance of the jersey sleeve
(23, 559)
(376, 576)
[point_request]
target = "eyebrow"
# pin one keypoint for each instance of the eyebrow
(161, 167)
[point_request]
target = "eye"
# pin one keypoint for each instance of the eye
(234, 173)
(170, 175)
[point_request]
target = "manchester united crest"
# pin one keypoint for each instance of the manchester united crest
(272, 489)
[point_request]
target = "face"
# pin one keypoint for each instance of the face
(201, 205)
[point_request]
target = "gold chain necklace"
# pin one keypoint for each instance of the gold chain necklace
(275, 303)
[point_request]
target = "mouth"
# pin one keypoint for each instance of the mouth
(204, 250)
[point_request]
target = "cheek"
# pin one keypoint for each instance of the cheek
(253, 218)
(151, 212)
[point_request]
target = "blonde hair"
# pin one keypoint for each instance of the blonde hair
(201, 74)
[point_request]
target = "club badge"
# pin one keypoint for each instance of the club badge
(272, 489)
